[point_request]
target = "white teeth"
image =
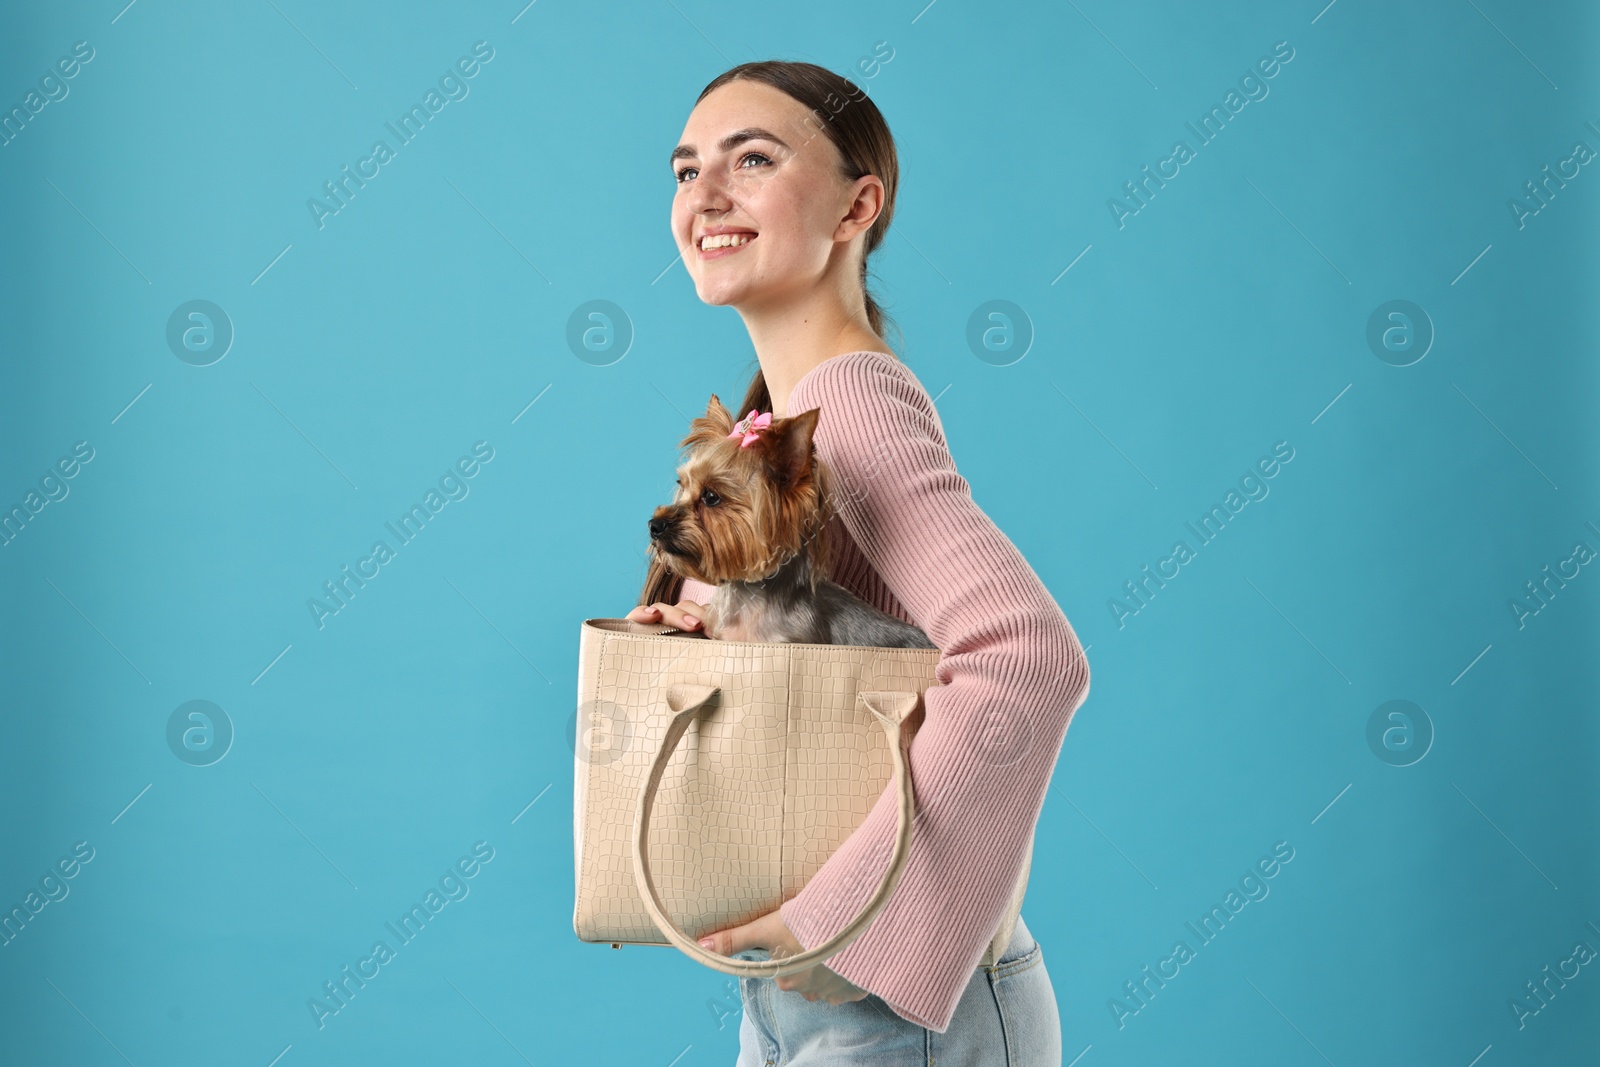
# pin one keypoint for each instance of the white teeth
(723, 240)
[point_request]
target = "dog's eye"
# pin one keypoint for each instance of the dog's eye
(709, 498)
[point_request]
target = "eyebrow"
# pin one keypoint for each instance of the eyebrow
(730, 142)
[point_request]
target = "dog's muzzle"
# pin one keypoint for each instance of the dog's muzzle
(659, 528)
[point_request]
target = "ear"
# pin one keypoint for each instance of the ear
(716, 423)
(719, 415)
(788, 446)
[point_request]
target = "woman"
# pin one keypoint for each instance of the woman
(799, 164)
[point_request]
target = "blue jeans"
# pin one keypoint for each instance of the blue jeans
(1007, 1017)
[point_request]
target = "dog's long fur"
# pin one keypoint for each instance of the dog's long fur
(753, 522)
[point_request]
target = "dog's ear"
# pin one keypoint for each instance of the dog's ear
(714, 424)
(719, 414)
(788, 446)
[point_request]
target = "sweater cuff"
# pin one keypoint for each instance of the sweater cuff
(699, 592)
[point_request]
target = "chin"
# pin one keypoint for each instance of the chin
(719, 294)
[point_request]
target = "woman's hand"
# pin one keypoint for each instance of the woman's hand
(772, 933)
(685, 615)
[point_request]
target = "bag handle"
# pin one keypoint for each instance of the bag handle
(685, 701)
(628, 626)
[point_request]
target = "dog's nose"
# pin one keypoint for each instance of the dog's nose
(657, 527)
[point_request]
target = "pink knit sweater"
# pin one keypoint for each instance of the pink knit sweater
(912, 542)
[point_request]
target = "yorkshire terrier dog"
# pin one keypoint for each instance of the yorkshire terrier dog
(750, 517)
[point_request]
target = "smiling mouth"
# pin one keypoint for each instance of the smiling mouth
(724, 244)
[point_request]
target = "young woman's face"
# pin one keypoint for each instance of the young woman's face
(754, 162)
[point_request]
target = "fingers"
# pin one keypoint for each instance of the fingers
(819, 983)
(737, 939)
(675, 616)
(685, 616)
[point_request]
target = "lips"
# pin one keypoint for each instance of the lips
(724, 239)
(742, 238)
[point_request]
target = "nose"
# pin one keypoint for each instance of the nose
(707, 197)
(657, 528)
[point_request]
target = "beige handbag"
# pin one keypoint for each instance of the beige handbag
(713, 778)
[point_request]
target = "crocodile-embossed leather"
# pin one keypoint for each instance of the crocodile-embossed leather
(770, 774)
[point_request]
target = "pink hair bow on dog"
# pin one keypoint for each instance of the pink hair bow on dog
(750, 427)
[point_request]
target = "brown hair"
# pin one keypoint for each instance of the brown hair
(858, 130)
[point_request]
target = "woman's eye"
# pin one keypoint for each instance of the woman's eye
(765, 161)
(710, 498)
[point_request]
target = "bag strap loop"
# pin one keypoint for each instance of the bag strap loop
(685, 701)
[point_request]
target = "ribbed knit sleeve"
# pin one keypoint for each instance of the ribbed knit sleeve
(697, 591)
(1010, 675)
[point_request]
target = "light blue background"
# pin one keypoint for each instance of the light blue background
(1230, 313)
